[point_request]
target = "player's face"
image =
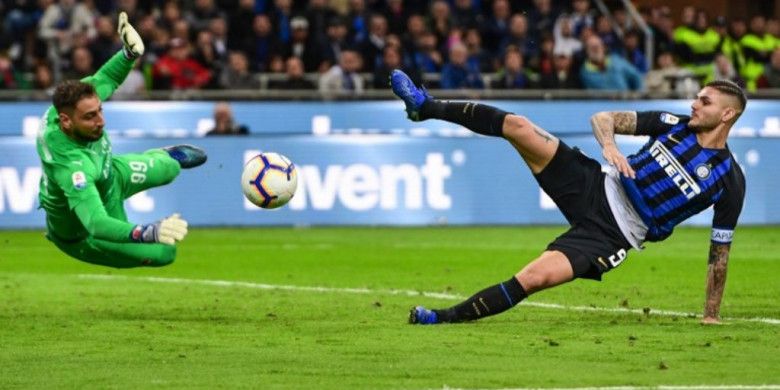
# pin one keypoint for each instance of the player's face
(708, 109)
(86, 123)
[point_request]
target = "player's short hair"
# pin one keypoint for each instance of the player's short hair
(70, 92)
(730, 88)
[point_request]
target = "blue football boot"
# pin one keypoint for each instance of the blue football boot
(413, 97)
(188, 156)
(422, 316)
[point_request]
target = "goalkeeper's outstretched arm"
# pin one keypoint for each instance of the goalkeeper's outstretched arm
(108, 78)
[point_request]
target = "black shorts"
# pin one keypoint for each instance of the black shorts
(594, 244)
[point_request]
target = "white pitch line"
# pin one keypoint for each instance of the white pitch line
(659, 387)
(410, 293)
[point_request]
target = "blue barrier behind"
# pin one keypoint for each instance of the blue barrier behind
(393, 180)
(192, 119)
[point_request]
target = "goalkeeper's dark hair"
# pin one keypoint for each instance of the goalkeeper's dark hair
(730, 88)
(69, 93)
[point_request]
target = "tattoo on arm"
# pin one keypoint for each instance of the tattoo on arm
(716, 278)
(606, 124)
(542, 133)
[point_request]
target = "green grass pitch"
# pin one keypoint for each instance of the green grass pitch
(217, 317)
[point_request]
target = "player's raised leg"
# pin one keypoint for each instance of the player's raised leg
(535, 145)
(153, 168)
(548, 270)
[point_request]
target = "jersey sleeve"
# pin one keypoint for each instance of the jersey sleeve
(75, 174)
(655, 123)
(108, 78)
(728, 207)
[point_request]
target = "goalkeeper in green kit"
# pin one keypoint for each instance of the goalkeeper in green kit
(83, 187)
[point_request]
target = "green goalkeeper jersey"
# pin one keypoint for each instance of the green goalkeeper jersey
(77, 179)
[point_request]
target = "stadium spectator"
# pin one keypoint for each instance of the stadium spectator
(563, 75)
(581, 16)
(607, 71)
(371, 48)
(542, 61)
(603, 28)
(723, 69)
(542, 18)
(565, 40)
(319, 14)
(343, 77)
(357, 20)
(426, 56)
(281, 16)
(218, 30)
(177, 70)
(697, 44)
(440, 19)
(496, 27)
(633, 53)
(458, 72)
(60, 24)
(202, 12)
(662, 27)
(240, 27)
(729, 40)
(171, 13)
(225, 123)
(518, 36)
(80, 64)
(105, 43)
(236, 74)
(465, 15)
(295, 77)
(668, 77)
(397, 16)
(415, 28)
(302, 45)
(512, 74)
(43, 79)
(771, 76)
(756, 51)
(262, 45)
(335, 43)
(478, 56)
(10, 77)
(206, 54)
(181, 29)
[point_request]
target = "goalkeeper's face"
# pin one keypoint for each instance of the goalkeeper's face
(86, 122)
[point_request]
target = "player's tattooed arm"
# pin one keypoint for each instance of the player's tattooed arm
(716, 281)
(605, 125)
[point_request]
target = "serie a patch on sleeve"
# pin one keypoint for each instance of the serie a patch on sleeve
(79, 180)
(669, 119)
(722, 236)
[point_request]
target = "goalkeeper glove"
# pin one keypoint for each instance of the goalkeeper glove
(133, 45)
(167, 231)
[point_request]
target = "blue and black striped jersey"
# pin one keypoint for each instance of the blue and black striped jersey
(677, 178)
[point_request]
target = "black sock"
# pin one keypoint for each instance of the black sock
(479, 118)
(488, 302)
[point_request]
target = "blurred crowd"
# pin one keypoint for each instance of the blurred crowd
(353, 45)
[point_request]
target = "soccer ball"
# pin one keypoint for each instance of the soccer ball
(269, 180)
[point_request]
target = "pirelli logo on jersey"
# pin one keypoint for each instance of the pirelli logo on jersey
(674, 170)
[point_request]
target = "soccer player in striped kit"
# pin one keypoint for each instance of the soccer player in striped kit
(683, 169)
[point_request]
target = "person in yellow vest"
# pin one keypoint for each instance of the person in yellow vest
(729, 40)
(697, 43)
(756, 51)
